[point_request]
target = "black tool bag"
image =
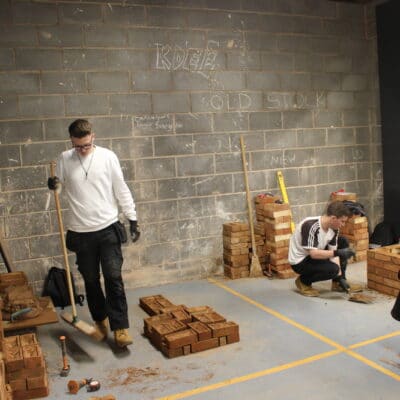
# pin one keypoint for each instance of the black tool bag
(383, 234)
(120, 231)
(56, 286)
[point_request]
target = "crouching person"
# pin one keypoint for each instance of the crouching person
(317, 254)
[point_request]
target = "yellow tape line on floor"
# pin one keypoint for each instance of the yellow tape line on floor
(343, 349)
(293, 364)
(249, 377)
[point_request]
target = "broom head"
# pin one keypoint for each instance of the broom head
(82, 326)
(255, 267)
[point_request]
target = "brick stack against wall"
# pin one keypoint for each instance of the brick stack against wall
(259, 226)
(178, 330)
(277, 221)
(383, 268)
(355, 230)
(25, 367)
(236, 243)
(238, 249)
(272, 234)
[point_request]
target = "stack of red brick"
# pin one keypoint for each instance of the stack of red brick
(5, 389)
(260, 227)
(22, 367)
(25, 367)
(383, 268)
(277, 221)
(272, 233)
(177, 330)
(236, 243)
(355, 230)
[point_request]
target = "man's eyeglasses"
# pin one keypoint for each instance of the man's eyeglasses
(83, 146)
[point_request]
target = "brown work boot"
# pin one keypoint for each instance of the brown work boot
(122, 338)
(102, 327)
(306, 290)
(354, 288)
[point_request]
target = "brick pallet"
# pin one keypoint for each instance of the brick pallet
(178, 330)
(25, 369)
(383, 267)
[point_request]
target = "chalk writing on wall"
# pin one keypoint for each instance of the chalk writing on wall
(232, 101)
(174, 57)
(358, 154)
(298, 100)
(150, 123)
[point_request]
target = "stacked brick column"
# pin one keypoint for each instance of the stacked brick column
(277, 221)
(259, 227)
(383, 268)
(236, 242)
(272, 234)
(355, 230)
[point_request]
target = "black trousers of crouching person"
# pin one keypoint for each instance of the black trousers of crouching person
(312, 270)
(95, 249)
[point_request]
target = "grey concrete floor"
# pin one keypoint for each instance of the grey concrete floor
(291, 347)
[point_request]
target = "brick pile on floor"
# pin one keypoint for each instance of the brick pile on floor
(178, 330)
(383, 268)
(5, 389)
(25, 367)
(23, 372)
(355, 230)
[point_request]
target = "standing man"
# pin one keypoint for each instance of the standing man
(94, 185)
(315, 252)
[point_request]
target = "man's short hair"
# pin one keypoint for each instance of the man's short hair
(338, 209)
(80, 128)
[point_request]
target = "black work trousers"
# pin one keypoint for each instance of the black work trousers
(95, 249)
(314, 270)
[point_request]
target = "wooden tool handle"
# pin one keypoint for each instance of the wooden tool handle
(249, 208)
(5, 252)
(63, 245)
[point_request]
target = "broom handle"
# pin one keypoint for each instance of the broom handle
(63, 246)
(250, 211)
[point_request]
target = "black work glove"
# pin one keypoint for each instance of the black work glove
(344, 253)
(53, 183)
(134, 229)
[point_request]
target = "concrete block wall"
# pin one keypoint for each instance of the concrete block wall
(170, 86)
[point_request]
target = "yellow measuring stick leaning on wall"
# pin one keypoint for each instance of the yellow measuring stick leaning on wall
(285, 198)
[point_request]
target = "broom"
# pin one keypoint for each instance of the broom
(72, 319)
(255, 267)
